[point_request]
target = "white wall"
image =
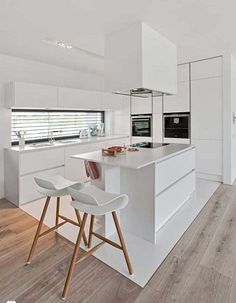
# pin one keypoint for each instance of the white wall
(229, 129)
(233, 110)
(13, 68)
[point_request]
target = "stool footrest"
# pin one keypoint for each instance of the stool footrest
(69, 220)
(107, 240)
(52, 228)
(89, 253)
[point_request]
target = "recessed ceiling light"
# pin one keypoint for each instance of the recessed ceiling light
(64, 45)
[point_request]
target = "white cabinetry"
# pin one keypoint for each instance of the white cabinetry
(21, 168)
(206, 99)
(208, 68)
(141, 105)
(207, 117)
(79, 99)
(20, 94)
(181, 101)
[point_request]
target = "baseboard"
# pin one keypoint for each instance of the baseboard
(210, 177)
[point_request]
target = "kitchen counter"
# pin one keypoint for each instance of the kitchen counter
(137, 159)
(161, 184)
(57, 144)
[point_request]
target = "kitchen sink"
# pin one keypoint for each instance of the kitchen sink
(68, 141)
(43, 144)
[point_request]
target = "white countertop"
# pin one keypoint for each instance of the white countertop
(90, 140)
(139, 159)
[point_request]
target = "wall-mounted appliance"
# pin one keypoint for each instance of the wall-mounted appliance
(142, 125)
(176, 125)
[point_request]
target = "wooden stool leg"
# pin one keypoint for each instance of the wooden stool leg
(80, 222)
(74, 257)
(91, 231)
(38, 231)
(122, 242)
(57, 210)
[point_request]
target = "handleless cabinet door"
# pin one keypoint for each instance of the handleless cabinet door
(141, 105)
(79, 99)
(31, 95)
(179, 102)
(208, 68)
(206, 100)
(35, 161)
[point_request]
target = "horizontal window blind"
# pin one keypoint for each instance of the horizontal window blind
(38, 124)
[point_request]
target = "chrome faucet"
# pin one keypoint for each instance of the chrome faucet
(51, 139)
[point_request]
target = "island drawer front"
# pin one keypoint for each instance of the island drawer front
(28, 189)
(39, 160)
(170, 200)
(171, 170)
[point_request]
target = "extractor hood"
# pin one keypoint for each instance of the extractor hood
(140, 61)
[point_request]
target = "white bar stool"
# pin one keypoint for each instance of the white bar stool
(94, 201)
(55, 186)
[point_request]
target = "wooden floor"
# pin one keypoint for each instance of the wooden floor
(200, 269)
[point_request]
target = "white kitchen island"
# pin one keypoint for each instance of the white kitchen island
(161, 186)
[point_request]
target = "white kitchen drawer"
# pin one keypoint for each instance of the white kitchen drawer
(169, 201)
(40, 160)
(183, 73)
(28, 188)
(179, 102)
(168, 172)
(206, 68)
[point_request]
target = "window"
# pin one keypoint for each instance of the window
(38, 124)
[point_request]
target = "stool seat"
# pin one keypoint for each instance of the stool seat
(55, 186)
(92, 200)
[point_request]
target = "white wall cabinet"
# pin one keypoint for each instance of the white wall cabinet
(141, 105)
(79, 99)
(179, 102)
(208, 68)
(30, 95)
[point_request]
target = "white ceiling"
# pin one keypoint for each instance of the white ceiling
(198, 27)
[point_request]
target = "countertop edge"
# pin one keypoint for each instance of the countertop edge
(148, 163)
(64, 145)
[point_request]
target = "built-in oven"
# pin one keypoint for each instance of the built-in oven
(142, 125)
(177, 125)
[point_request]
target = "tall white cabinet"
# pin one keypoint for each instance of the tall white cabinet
(207, 116)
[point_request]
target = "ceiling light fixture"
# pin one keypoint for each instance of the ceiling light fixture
(64, 45)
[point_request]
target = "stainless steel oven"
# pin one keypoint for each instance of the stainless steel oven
(142, 125)
(177, 125)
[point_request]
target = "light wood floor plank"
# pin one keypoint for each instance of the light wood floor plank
(200, 269)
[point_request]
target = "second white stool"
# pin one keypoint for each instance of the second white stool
(94, 201)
